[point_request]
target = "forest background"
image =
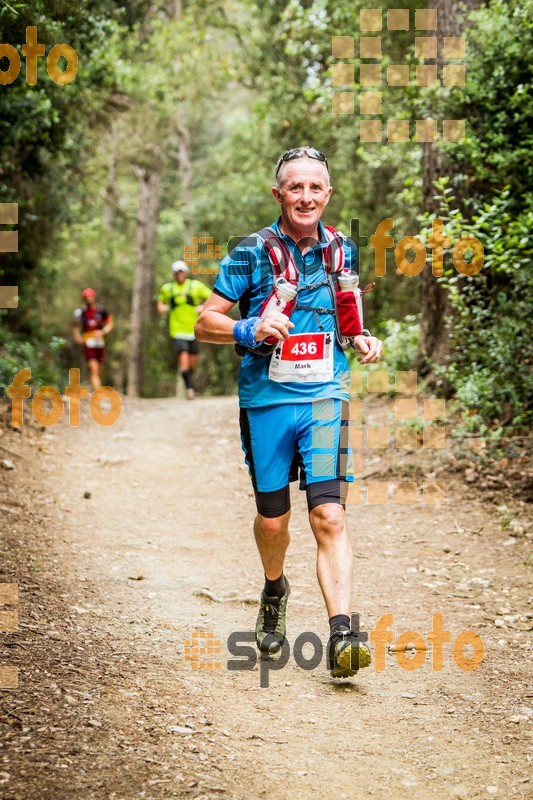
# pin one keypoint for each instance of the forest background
(170, 131)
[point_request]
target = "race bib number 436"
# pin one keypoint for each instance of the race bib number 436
(303, 358)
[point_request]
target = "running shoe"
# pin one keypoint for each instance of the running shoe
(270, 626)
(347, 654)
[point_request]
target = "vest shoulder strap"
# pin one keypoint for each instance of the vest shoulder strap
(282, 260)
(279, 254)
(334, 257)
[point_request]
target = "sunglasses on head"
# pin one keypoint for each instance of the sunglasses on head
(297, 152)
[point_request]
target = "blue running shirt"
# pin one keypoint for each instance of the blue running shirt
(246, 277)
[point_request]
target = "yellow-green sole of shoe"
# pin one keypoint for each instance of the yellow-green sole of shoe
(344, 662)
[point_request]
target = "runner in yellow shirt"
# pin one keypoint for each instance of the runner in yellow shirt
(184, 299)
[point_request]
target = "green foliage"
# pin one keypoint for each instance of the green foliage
(45, 130)
(285, 64)
(251, 79)
(489, 368)
(497, 99)
(160, 363)
(400, 343)
(506, 520)
(10, 10)
(490, 364)
(41, 355)
(218, 369)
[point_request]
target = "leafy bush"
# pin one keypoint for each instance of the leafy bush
(496, 100)
(490, 363)
(40, 355)
(400, 343)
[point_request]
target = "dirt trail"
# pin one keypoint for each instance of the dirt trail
(108, 597)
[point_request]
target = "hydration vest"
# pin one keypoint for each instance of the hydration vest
(94, 321)
(176, 298)
(284, 266)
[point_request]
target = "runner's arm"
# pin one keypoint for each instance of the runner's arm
(76, 333)
(204, 293)
(163, 304)
(76, 326)
(213, 324)
(370, 346)
(108, 326)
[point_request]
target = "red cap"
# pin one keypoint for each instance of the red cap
(88, 293)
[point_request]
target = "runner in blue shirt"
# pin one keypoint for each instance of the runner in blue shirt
(294, 401)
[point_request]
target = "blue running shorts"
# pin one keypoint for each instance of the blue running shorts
(291, 440)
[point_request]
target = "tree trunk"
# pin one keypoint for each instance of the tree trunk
(143, 284)
(183, 133)
(111, 197)
(185, 169)
(433, 347)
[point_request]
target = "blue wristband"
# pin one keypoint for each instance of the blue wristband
(244, 332)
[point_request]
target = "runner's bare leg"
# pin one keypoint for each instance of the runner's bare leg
(183, 361)
(272, 537)
(95, 373)
(334, 557)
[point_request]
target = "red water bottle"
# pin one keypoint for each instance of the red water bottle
(349, 304)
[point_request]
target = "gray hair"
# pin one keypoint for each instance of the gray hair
(280, 178)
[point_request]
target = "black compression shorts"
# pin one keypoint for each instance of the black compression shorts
(275, 504)
(186, 346)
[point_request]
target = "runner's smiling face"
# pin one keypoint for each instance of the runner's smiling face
(303, 195)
